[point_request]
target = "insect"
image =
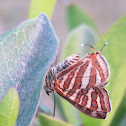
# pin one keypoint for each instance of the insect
(81, 82)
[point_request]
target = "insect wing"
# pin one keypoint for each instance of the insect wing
(95, 98)
(102, 67)
(85, 73)
(89, 112)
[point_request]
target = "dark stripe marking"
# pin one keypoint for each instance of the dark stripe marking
(70, 93)
(68, 80)
(93, 95)
(104, 60)
(101, 98)
(78, 97)
(94, 105)
(98, 67)
(84, 100)
(84, 91)
(92, 79)
(78, 79)
(107, 100)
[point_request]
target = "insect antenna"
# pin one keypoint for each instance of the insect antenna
(103, 46)
(54, 104)
(89, 46)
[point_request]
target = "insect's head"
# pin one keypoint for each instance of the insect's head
(47, 87)
(47, 90)
(49, 80)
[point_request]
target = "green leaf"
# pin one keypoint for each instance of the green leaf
(123, 121)
(115, 53)
(39, 47)
(76, 16)
(9, 108)
(71, 114)
(121, 113)
(80, 35)
(39, 6)
(26, 53)
(49, 121)
(89, 121)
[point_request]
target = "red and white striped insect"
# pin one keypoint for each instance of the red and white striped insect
(81, 82)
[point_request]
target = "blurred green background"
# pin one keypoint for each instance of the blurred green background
(98, 16)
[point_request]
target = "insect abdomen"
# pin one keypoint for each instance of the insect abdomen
(66, 63)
